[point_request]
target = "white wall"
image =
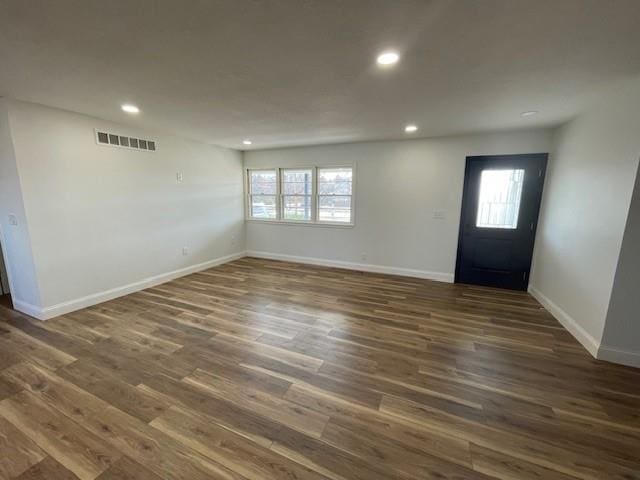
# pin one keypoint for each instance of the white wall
(621, 336)
(102, 218)
(15, 239)
(398, 186)
(587, 194)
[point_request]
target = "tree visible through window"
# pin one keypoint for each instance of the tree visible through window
(310, 194)
(499, 198)
(334, 194)
(263, 192)
(297, 190)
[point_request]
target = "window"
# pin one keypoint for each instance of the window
(297, 187)
(308, 195)
(263, 192)
(334, 194)
(499, 198)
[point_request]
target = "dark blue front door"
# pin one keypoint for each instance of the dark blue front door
(500, 206)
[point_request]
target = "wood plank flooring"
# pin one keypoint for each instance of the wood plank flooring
(270, 370)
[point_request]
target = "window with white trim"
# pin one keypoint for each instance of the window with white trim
(263, 194)
(311, 195)
(297, 194)
(334, 194)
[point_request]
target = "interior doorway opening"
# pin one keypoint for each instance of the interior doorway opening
(5, 290)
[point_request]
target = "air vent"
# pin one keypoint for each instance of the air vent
(121, 141)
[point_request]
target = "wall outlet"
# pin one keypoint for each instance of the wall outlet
(439, 215)
(185, 250)
(179, 177)
(233, 240)
(363, 256)
(13, 220)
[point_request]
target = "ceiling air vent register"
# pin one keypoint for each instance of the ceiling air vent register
(121, 141)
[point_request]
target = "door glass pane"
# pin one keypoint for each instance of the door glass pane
(499, 199)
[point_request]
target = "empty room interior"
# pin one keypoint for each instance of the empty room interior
(320, 239)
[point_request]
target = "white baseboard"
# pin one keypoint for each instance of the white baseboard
(601, 352)
(26, 308)
(616, 355)
(568, 322)
(93, 299)
(595, 348)
(363, 267)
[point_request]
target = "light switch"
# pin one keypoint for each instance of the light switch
(13, 220)
(439, 215)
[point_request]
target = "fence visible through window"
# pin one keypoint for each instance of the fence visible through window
(499, 198)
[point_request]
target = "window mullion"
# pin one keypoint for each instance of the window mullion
(279, 204)
(314, 194)
(248, 202)
(264, 196)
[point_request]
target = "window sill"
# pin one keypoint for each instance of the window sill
(301, 224)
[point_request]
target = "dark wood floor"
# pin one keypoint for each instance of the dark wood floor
(5, 301)
(268, 370)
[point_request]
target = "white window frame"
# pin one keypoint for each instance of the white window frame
(317, 214)
(314, 222)
(282, 195)
(249, 195)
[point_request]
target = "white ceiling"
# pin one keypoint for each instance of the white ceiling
(295, 72)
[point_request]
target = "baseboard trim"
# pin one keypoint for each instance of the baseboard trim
(568, 322)
(363, 267)
(616, 355)
(93, 299)
(26, 308)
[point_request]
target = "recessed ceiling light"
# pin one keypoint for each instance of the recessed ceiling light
(529, 113)
(411, 128)
(388, 58)
(247, 142)
(130, 108)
